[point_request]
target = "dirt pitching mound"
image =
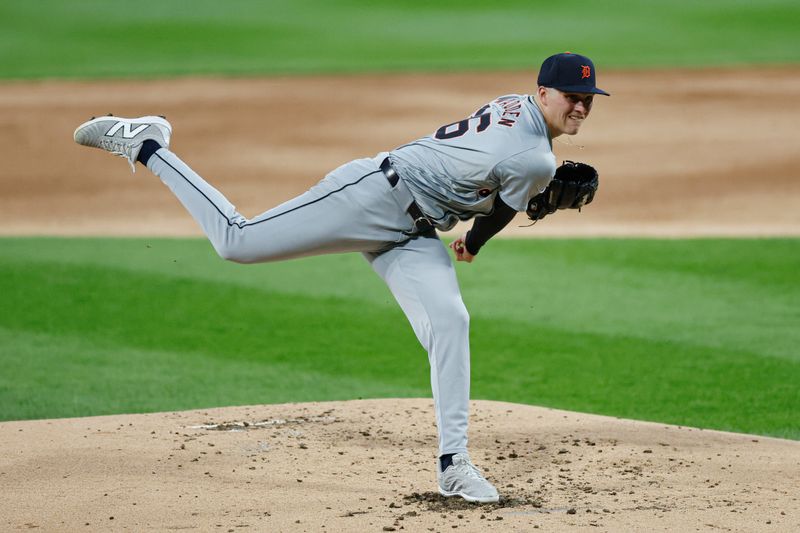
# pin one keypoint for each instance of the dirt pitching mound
(368, 465)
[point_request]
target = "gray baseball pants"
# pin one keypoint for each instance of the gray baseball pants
(353, 209)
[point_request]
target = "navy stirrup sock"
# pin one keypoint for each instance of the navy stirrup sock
(149, 147)
(446, 460)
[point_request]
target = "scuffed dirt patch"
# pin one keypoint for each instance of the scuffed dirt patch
(435, 502)
(244, 425)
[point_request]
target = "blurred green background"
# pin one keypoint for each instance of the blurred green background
(699, 332)
(154, 38)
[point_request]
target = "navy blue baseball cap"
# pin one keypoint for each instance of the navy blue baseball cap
(568, 72)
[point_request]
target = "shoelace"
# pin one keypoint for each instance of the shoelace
(121, 149)
(470, 470)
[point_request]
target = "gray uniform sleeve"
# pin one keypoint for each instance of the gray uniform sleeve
(523, 176)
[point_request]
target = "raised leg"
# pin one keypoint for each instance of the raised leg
(352, 209)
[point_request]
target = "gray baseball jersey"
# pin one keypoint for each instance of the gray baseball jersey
(455, 174)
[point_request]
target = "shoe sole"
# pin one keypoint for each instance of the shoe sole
(473, 499)
(141, 120)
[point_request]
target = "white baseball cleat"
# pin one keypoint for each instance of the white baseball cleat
(123, 136)
(463, 479)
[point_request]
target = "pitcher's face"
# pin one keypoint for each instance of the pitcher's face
(564, 112)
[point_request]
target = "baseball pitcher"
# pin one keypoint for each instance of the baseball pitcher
(488, 166)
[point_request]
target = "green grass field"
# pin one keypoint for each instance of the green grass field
(154, 38)
(694, 332)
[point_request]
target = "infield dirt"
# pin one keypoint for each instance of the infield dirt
(709, 152)
(706, 152)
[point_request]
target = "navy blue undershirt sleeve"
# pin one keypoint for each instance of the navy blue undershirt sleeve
(149, 147)
(484, 228)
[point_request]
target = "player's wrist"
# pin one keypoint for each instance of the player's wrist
(471, 246)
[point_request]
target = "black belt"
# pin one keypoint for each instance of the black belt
(421, 222)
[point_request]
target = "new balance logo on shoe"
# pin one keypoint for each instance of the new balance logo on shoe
(127, 132)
